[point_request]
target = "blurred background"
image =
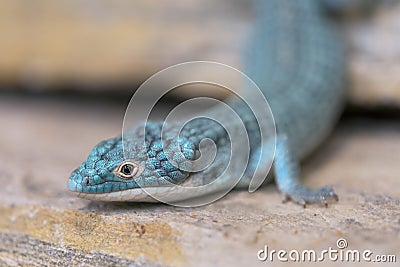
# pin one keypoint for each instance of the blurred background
(67, 71)
(113, 46)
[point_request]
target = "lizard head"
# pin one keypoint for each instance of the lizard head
(113, 173)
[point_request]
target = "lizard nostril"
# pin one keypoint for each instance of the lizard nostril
(87, 180)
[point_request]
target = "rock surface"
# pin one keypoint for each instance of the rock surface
(42, 140)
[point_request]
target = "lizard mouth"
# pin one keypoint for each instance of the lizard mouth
(134, 195)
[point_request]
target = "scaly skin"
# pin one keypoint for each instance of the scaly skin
(297, 61)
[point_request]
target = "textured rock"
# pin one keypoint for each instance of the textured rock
(42, 140)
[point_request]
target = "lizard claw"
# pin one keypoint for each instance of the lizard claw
(303, 195)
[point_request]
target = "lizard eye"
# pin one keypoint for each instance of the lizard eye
(127, 170)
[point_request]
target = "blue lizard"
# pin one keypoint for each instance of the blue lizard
(297, 59)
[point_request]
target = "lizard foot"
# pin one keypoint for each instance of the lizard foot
(303, 195)
(287, 177)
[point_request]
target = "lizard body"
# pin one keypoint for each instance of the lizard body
(297, 61)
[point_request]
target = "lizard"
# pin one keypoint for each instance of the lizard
(297, 59)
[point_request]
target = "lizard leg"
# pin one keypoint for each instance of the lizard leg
(287, 178)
